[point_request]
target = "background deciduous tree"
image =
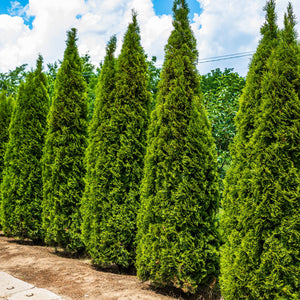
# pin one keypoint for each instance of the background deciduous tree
(221, 92)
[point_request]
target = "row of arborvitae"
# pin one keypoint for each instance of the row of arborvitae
(261, 223)
(81, 188)
(151, 200)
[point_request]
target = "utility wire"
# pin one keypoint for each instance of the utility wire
(227, 55)
(224, 57)
(200, 61)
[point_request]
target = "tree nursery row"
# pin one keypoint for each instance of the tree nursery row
(132, 166)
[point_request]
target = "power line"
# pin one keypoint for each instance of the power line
(225, 57)
(222, 57)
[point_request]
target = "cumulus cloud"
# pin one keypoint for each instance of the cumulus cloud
(96, 21)
(229, 27)
(12, 30)
(51, 20)
(223, 27)
(105, 18)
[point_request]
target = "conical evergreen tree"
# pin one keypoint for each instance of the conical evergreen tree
(63, 167)
(122, 145)
(100, 153)
(238, 173)
(6, 107)
(249, 106)
(177, 236)
(22, 183)
(260, 258)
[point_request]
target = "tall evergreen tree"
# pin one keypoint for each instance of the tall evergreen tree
(122, 142)
(63, 167)
(237, 175)
(260, 259)
(100, 153)
(249, 106)
(177, 236)
(6, 106)
(22, 184)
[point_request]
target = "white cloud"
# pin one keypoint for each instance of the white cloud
(106, 18)
(229, 27)
(224, 27)
(96, 20)
(12, 30)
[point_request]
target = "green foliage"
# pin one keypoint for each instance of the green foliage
(51, 76)
(63, 167)
(260, 258)
(6, 107)
(177, 235)
(100, 153)
(10, 82)
(248, 109)
(221, 91)
(91, 78)
(22, 183)
(118, 135)
(153, 79)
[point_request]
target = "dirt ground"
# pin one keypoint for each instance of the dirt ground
(75, 278)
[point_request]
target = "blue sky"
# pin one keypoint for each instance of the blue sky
(165, 7)
(161, 7)
(5, 5)
(12, 7)
(30, 27)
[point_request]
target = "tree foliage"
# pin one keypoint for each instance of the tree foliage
(260, 255)
(221, 91)
(11, 80)
(91, 78)
(22, 185)
(122, 141)
(6, 107)
(100, 153)
(63, 167)
(51, 74)
(249, 104)
(153, 79)
(177, 236)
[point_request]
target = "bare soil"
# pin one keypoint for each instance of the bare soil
(76, 278)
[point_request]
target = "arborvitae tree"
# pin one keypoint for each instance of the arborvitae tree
(63, 167)
(260, 259)
(177, 236)
(22, 184)
(121, 141)
(249, 106)
(237, 175)
(100, 153)
(6, 106)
